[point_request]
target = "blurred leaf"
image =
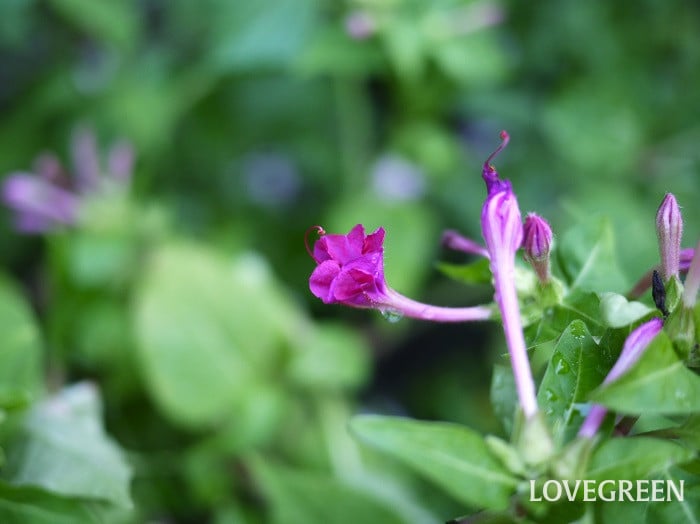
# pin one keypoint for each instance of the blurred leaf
(199, 326)
(617, 311)
(113, 21)
(473, 60)
(297, 497)
(62, 448)
(404, 46)
(576, 367)
(454, 457)
(477, 272)
(331, 357)
(658, 383)
(333, 52)
(20, 350)
(261, 34)
(586, 254)
(22, 505)
(686, 511)
(503, 396)
(634, 458)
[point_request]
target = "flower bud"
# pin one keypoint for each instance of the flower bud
(537, 243)
(669, 230)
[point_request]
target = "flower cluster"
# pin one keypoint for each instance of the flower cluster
(350, 271)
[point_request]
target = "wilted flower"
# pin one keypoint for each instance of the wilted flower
(502, 229)
(633, 348)
(47, 199)
(350, 271)
(537, 244)
(669, 230)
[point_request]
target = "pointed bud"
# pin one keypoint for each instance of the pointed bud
(537, 243)
(669, 230)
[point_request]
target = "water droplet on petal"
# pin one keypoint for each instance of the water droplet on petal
(392, 315)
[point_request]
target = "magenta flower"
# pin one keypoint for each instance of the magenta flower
(502, 228)
(537, 243)
(454, 240)
(350, 271)
(633, 348)
(48, 199)
(669, 229)
(692, 280)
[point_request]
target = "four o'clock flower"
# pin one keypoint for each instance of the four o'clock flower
(537, 243)
(350, 271)
(47, 198)
(692, 281)
(502, 229)
(633, 348)
(669, 230)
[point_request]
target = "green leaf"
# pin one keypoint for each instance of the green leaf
(207, 330)
(20, 350)
(477, 272)
(634, 458)
(21, 505)
(297, 497)
(241, 33)
(113, 21)
(62, 448)
(658, 383)
(575, 369)
(616, 311)
(586, 255)
(332, 357)
(503, 396)
(453, 457)
(686, 511)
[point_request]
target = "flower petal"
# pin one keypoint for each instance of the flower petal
(322, 278)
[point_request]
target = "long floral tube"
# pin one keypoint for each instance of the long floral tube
(350, 271)
(414, 309)
(634, 347)
(502, 229)
(457, 242)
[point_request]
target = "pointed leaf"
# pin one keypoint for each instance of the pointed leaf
(634, 458)
(453, 457)
(62, 447)
(22, 505)
(575, 369)
(586, 254)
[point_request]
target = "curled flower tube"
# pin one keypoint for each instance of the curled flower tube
(633, 348)
(350, 271)
(502, 229)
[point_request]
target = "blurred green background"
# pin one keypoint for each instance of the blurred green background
(187, 302)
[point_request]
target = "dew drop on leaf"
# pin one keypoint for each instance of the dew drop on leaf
(562, 367)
